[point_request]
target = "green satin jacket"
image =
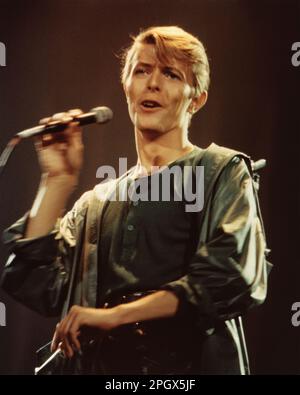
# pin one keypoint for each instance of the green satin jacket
(227, 275)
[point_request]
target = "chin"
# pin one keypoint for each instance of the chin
(149, 127)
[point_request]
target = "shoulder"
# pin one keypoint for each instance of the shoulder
(219, 159)
(218, 154)
(231, 170)
(82, 202)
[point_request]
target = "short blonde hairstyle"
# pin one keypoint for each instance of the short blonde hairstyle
(172, 42)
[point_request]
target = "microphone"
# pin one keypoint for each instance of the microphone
(96, 115)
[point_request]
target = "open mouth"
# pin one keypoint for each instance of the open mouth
(150, 104)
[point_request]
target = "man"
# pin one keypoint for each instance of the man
(163, 286)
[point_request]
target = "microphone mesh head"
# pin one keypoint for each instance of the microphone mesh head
(102, 114)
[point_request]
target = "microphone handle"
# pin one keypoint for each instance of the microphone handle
(56, 126)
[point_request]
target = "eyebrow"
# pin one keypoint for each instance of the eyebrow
(174, 69)
(164, 67)
(144, 64)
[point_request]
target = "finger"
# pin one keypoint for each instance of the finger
(46, 140)
(73, 334)
(60, 347)
(60, 137)
(77, 141)
(64, 350)
(75, 112)
(64, 333)
(75, 135)
(72, 128)
(71, 344)
(59, 116)
(66, 135)
(44, 121)
(61, 326)
(51, 138)
(62, 147)
(59, 330)
(66, 347)
(55, 340)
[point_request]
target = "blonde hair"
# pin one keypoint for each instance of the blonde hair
(172, 42)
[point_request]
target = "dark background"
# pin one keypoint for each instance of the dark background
(62, 54)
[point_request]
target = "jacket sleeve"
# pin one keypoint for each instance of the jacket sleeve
(37, 270)
(227, 274)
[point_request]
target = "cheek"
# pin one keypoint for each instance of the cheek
(131, 95)
(181, 99)
(130, 99)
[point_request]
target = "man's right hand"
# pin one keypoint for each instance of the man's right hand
(61, 154)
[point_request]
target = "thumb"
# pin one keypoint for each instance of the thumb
(55, 340)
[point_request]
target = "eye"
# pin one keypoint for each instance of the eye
(140, 70)
(170, 74)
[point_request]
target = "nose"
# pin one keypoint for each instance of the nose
(154, 80)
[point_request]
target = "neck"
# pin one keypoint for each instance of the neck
(156, 149)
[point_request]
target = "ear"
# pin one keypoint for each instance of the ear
(198, 102)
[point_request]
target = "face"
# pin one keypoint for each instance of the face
(159, 95)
